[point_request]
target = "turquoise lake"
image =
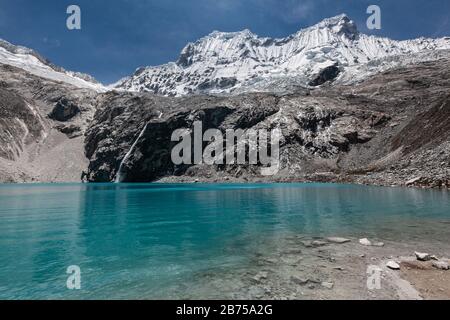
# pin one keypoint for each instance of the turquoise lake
(139, 241)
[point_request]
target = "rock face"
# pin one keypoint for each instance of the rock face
(120, 119)
(34, 147)
(19, 122)
(359, 133)
(64, 110)
(328, 74)
(311, 127)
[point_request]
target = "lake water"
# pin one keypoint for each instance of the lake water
(140, 241)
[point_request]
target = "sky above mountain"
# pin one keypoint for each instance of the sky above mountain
(119, 36)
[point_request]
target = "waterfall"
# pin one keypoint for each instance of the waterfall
(119, 172)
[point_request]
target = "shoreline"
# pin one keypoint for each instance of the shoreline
(191, 180)
(317, 268)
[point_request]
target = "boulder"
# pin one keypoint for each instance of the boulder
(422, 256)
(298, 280)
(328, 285)
(365, 242)
(413, 181)
(378, 244)
(393, 265)
(64, 110)
(338, 240)
(442, 265)
(319, 243)
(260, 276)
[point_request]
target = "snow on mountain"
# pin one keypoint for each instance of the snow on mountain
(241, 61)
(32, 62)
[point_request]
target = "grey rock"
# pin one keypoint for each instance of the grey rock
(260, 276)
(338, 240)
(393, 265)
(327, 74)
(378, 244)
(422, 256)
(299, 280)
(328, 285)
(64, 110)
(442, 265)
(365, 242)
(319, 243)
(413, 181)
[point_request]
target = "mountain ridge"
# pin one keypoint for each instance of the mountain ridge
(224, 62)
(33, 62)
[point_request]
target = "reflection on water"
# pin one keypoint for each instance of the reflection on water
(134, 241)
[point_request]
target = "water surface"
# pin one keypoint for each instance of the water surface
(138, 241)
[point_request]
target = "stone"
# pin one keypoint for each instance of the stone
(299, 280)
(292, 251)
(307, 243)
(365, 242)
(72, 131)
(378, 244)
(442, 265)
(393, 265)
(260, 276)
(328, 285)
(318, 243)
(422, 256)
(64, 110)
(413, 181)
(338, 240)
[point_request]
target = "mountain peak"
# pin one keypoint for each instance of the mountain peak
(230, 35)
(340, 24)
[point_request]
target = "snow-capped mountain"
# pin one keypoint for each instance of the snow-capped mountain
(34, 63)
(241, 61)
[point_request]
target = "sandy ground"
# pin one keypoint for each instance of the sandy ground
(430, 282)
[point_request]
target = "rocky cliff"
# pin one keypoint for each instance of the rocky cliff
(392, 129)
(42, 124)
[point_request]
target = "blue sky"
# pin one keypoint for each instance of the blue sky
(118, 36)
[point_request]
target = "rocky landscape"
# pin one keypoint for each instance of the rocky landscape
(391, 129)
(305, 268)
(384, 120)
(42, 126)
